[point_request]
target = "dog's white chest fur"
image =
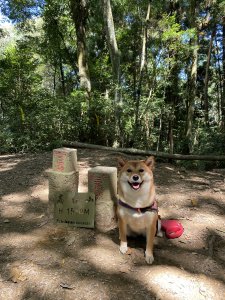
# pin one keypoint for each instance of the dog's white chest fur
(136, 221)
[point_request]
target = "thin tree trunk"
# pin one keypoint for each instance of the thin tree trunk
(171, 124)
(1, 110)
(79, 11)
(172, 91)
(206, 81)
(115, 61)
(142, 63)
(54, 82)
(62, 77)
(160, 132)
(220, 83)
(112, 45)
(223, 93)
(192, 81)
(191, 100)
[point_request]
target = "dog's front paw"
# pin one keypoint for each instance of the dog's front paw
(149, 258)
(123, 247)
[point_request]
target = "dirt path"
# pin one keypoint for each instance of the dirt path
(39, 260)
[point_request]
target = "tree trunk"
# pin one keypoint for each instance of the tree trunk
(115, 60)
(112, 45)
(79, 11)
(191, 100)
(220, 82)
(170, 133)
(62, 77)
(223, 85)
(172, 88)
(54, 81)
(192, 81)
(142, 63)
(206, 81)
(159, 132)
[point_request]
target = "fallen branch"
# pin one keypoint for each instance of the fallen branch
(145, 152)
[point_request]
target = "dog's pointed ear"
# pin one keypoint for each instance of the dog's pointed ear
(121, 162)
(150, 162)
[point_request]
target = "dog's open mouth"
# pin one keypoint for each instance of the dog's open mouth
(135, 185)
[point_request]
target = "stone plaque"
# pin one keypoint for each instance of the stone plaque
(75, 208)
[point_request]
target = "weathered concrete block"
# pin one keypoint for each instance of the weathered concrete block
(102, 181)
(65, 160)
(61, 184)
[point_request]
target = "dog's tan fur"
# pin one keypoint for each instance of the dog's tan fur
(136, 188)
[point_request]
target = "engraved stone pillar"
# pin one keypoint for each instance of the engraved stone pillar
(64, 176)
(102, 181)
(65, 160)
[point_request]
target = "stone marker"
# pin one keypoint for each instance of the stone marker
(80, 209)
(65, 160)
(102, 181)
(61, 183)
(64, 176)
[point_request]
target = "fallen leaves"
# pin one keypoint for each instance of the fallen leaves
(17, 275)
(194, 202)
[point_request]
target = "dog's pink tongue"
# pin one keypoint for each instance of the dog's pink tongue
(135, 186)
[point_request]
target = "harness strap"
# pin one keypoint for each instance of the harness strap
(153, 207)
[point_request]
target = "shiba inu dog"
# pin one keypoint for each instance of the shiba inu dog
(137, 208)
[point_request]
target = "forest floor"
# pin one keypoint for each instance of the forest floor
(41, 260)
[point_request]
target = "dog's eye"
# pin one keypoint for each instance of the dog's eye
(129, 170)
(141, 170)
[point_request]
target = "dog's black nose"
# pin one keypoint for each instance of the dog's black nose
(135, 177)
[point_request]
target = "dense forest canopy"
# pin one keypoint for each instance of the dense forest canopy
(144, 74)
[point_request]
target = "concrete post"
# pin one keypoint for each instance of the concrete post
(65, 160)
(102, 181)
(64, 176)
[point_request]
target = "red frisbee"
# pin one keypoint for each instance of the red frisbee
(173, 229)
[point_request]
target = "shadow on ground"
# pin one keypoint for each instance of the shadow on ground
(42, 260)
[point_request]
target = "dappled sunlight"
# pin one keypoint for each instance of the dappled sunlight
(8, 292)
(22, 211)
(210, 220)
(53, 261)
(169, 168)
(8, 163)
(104, 254)
(15, 197)
(170, 194)
(40, 192)
(8, 168)
(18, 240)
(40, 280)
(172, 283)
(48, 283)
(103, 258)
(10, 213)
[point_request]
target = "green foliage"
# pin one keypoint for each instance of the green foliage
(49, 120)
(41, 103)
